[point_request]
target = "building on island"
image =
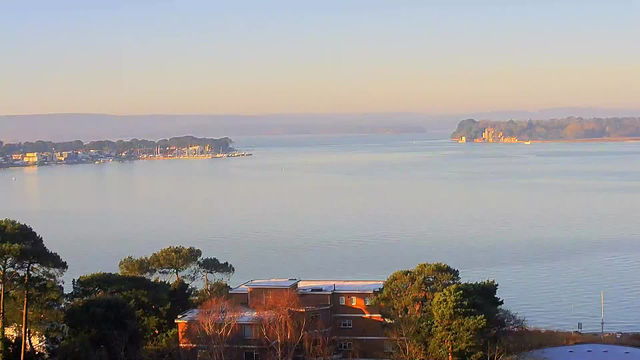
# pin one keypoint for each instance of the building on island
(196, 150)
(490, 135)
(342, 310)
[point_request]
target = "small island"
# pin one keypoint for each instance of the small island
(564, 129)
(77, 152)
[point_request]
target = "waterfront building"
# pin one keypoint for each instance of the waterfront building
(33, 158)
(67, 156)
(196, 150)
(342, 310)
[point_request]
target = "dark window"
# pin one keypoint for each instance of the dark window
(247, 332)
(347, 324)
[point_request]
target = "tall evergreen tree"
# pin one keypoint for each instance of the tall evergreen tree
(35, 259)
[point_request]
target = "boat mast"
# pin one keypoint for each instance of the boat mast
(602, 307)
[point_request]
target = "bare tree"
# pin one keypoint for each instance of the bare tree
(318, 343)
(217, 321)
(508, 324)
(402, 343)
(283, 325)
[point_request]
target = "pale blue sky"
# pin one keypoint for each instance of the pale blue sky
(133, 57)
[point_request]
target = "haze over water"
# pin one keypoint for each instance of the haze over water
(554, 224)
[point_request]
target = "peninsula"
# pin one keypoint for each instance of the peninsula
(564, 129)
(77, 152)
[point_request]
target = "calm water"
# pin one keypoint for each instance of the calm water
(554, 224)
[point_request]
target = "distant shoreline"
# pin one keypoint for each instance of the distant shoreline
(610, 139)
(589, 140)
(77, 152)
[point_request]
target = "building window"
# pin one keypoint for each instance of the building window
(346, 324)
(345, 345)
(251, 355)
(342, 300)
(367, 301)
(354, 301)
(247, 332)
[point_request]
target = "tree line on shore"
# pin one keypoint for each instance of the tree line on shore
(569, 128)
(221, 145)
(430, 313)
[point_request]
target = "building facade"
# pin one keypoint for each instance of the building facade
(33, 158)
(344, 309)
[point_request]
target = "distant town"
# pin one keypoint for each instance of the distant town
(41, 152)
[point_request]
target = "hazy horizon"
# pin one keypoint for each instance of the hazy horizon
(87, 127)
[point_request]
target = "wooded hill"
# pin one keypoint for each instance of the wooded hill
(570, 128)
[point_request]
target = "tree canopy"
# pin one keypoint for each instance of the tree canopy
(150, 299)
(433, 315)
(183, 263)
(213, 266)
(136, 266)
(176, 260)
(457, 327)
(103, 327)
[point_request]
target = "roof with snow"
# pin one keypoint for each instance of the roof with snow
(340, 286)
(584, 352)
(272, 283)
(187, 316)
(314, 286)
(267, 283)
(247, 316)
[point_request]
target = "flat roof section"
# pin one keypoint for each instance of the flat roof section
(583, 352)
(339, 286)
(272, 283)
(266, 283)
(247, 316)
(313, 286)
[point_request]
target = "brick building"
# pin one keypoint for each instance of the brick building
(344, 308)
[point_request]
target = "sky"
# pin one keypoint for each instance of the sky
(322, 56)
